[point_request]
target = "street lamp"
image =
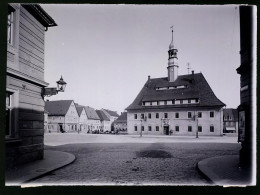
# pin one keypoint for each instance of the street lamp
(61, 85)
(49, 91)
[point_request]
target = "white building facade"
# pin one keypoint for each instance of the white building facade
(176, 105)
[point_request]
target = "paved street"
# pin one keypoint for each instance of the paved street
(148, 160)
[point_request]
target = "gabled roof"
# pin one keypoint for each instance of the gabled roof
(79, 109)
(58, 108)
(111, 113)
(196, 87)
(91, 113)
(102, 115)
(231, 112)
(122, 118)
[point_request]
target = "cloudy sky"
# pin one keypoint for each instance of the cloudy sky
(106, 52)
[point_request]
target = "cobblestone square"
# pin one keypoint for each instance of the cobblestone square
(145, 161)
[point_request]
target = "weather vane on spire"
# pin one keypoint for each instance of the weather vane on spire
(172, 32)
(172, 28)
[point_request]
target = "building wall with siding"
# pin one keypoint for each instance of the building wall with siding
(25, 78)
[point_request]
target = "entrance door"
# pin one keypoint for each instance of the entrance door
(166, 130)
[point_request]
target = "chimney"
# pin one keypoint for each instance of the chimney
(149, 77)
(192, 72)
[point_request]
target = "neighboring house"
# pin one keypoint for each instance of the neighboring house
(105, 122)
(24, 130)
(46, 130)
(230, 120)
(94, 123)
(63, 116)
(83, 119)
(120, 124)
(177, 105)
(112, 115)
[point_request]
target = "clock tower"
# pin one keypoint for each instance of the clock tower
(172, 62)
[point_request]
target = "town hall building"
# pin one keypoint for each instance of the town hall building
(176, 105)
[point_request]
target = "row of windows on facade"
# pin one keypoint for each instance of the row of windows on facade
(227, 118)
(172, 87)
(74, 127)
(189, 115)
(229, 123)
(171, 102)
(177, 128)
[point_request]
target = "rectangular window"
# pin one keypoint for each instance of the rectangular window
(211, 128)
(212, 114)
(149, 115)
(143, 103)
(157, 115)
(165, 115)
(189, 128)
(199, 114)
(135, 116)
(135, 128)
(157, 128)
(181, 101)
(189, 114)
(173, 101)
(10, 25)
(149, 128)
(165, 102)
(199, 128)
(189, 101)
(158, 103)
(151, 103)
(142, 128)
(176, 115)
(142, 116)
(177, 128)
(197, 100)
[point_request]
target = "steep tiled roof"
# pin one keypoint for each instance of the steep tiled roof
(102, 115)
(231, 112)
(111, 113)
(196, 87)
(122, 118)
(58, 108)
(91, 113)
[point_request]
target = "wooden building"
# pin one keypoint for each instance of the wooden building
(94, 123)
(230, 121)
(120, 124)
(112, 115)
(63, 116)
(24, 131)
(105, 123)
(83, 119)
(246, 109)
(176, 105)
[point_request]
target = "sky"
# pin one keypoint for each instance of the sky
(106, 52)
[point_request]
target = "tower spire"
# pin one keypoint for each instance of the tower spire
(171, 45)
(172, 61)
